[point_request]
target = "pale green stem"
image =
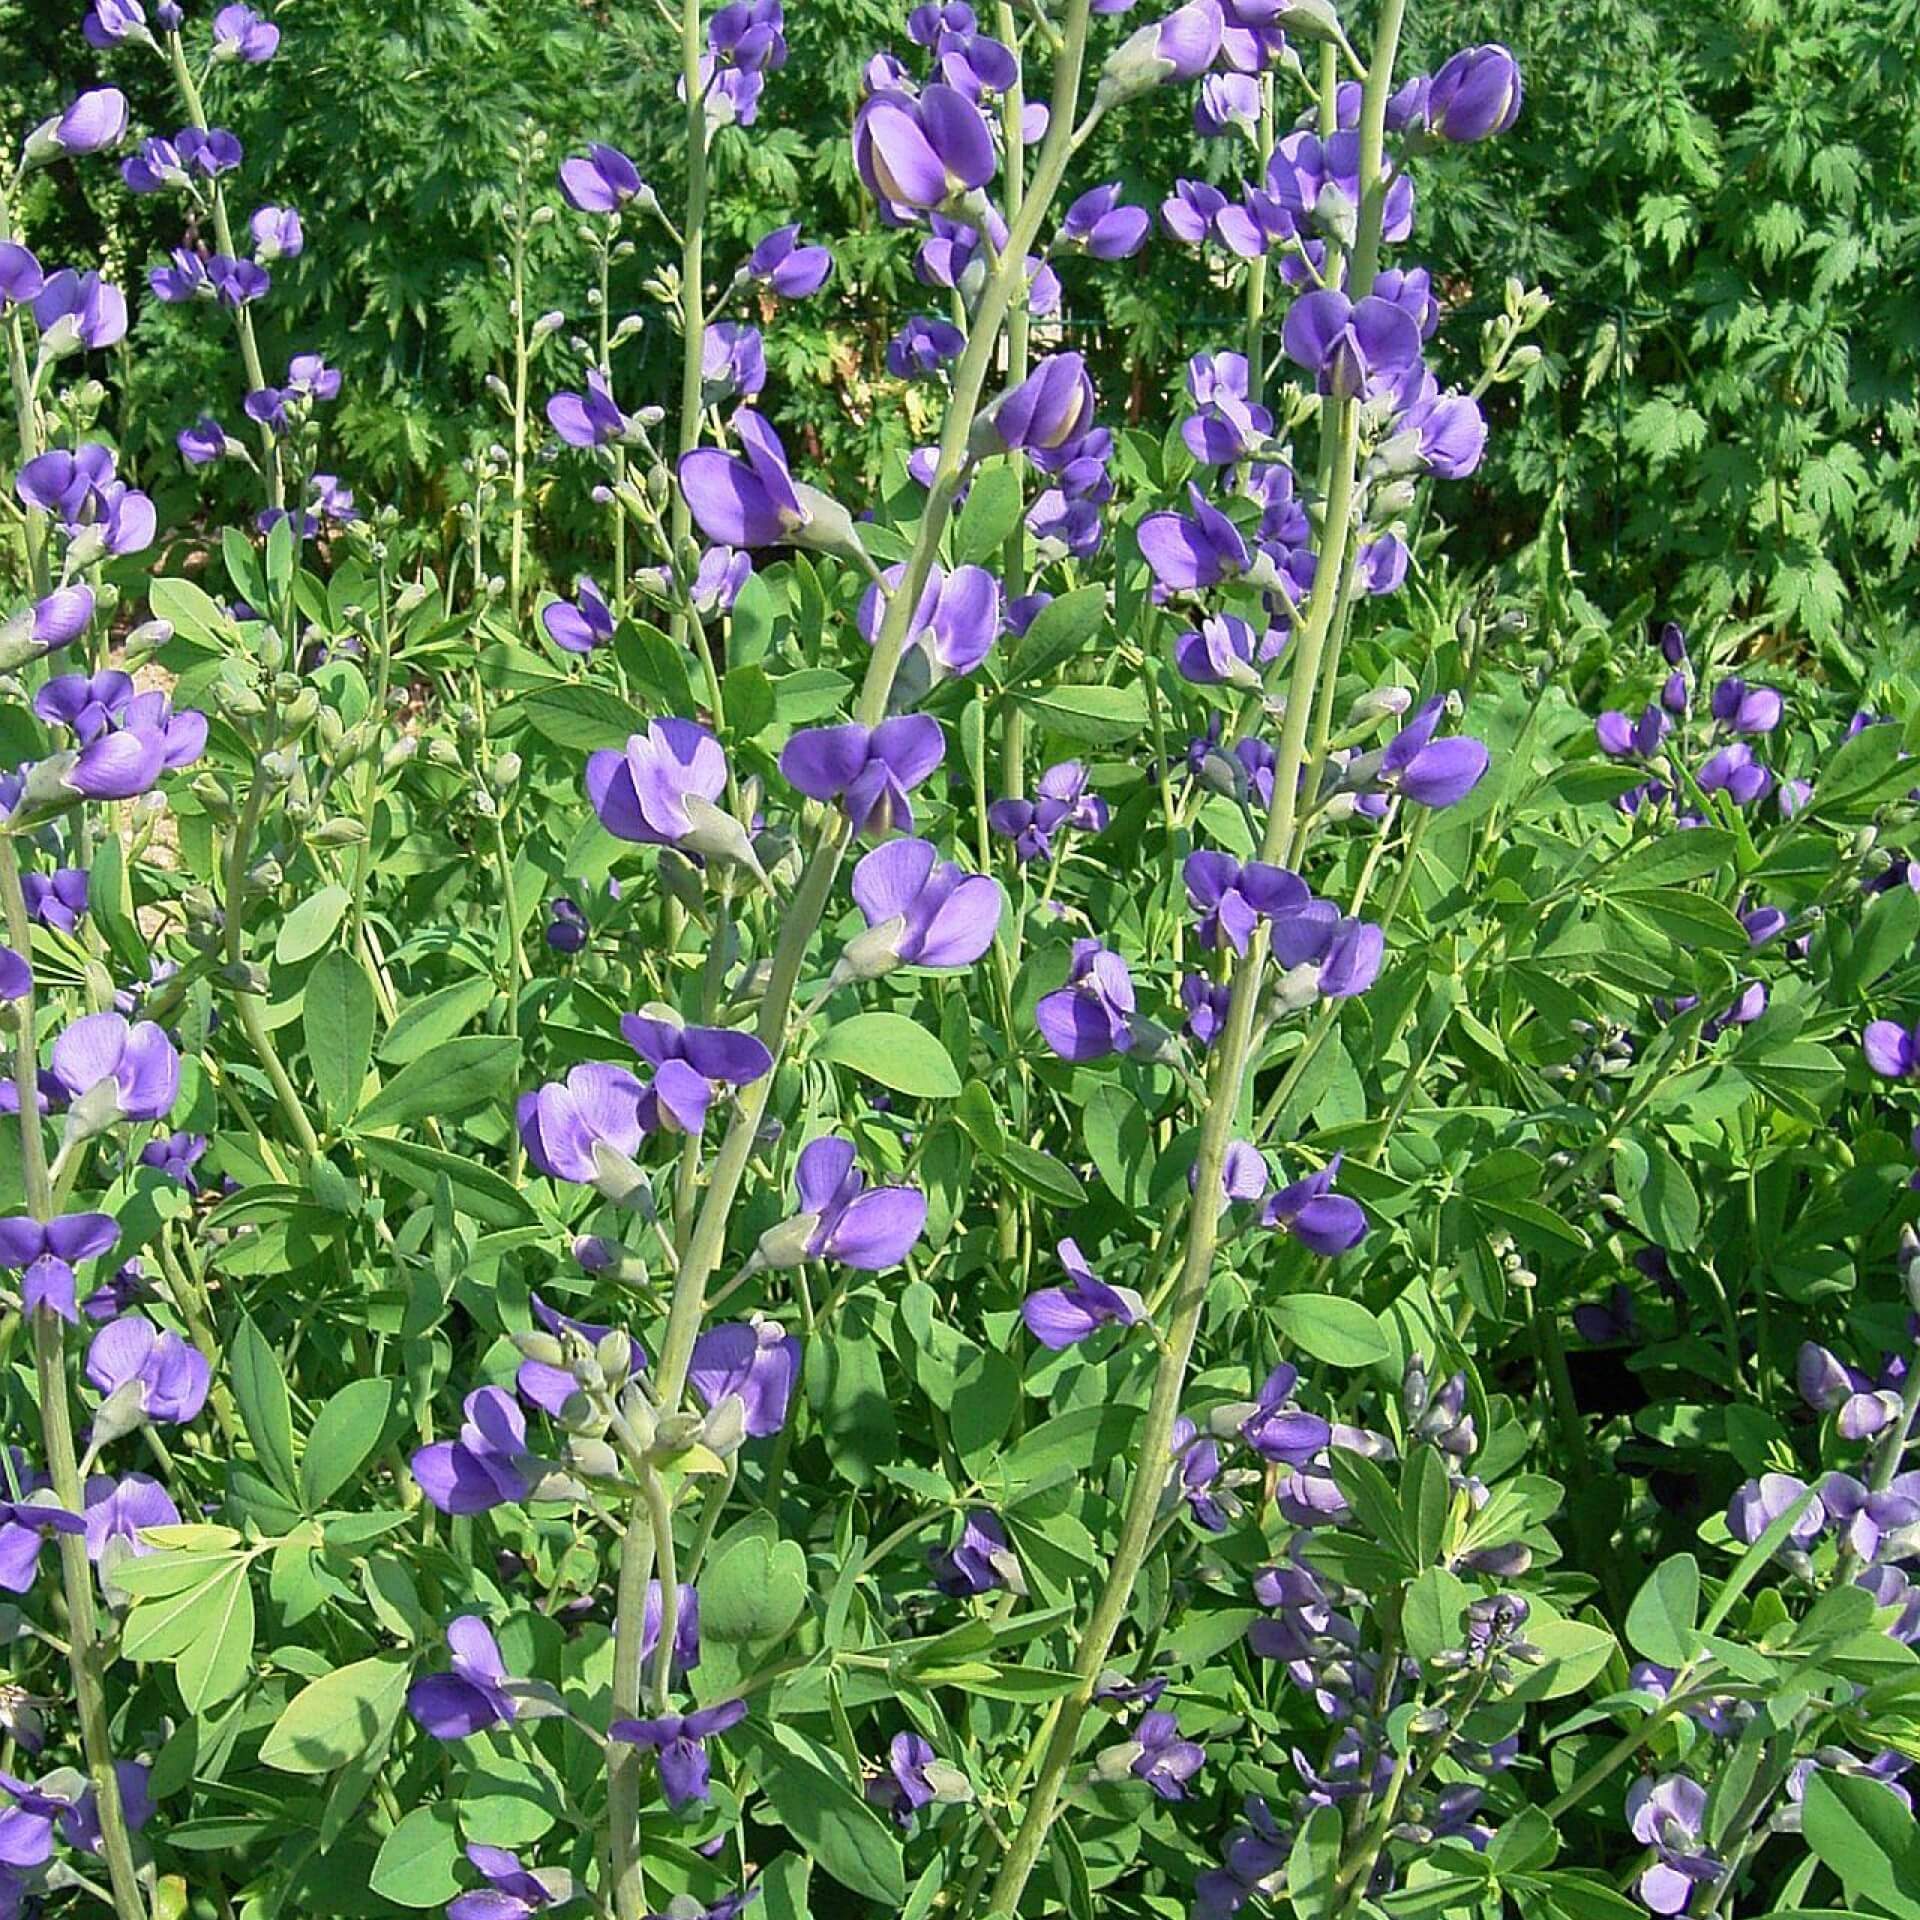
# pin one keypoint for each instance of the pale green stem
(85, 1655)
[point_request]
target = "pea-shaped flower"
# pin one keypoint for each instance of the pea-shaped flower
(920, 910)
(45, 1253)
(842, 1218)
(117, 1069)
(146, 1374)
(471, 1696)
(488, 1465)
(661, 791)
(1477, 93)
(914, 155)
(567, 1127)
(871, 771)
(754, 1361)
(680, 1742)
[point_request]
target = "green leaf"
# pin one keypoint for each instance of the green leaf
(309, 926)
(1096, 716)
(337, 1718)
(426, 1023)
(193, 614)
(215, 1666)
(1430, 1617)
(754, 1590)
(456, 1076)
(480, 1193)
(1341, 1332)
(1040, 1173)
(1861, 1831)
(892, 1050)
(1120, 1141)
(579, 717)
(1671, 860)
(991, 513)
(261, 1390)
(417, 1860)
(1661, 1620)
(1059, 630)
(1689, 920)
(337, 1015)
(344, 1435)
(829, 1821)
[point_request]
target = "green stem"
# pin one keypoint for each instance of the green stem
(85, 1655)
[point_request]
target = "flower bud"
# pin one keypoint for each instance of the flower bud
(340, 831)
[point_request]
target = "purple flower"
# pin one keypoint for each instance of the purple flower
(96, 120)
(117, 1511)
(1092, 1015)
(26, 1525)
(979, 1561)
(87, 704)
(1187, 555)
(27, 1827)
(239, 33)
(1060, 801)
(1166, 1762)
(1735, 772)
(756, 1362)
(1190, 211)
(1757, 1504)
(16, 978)
(1669, 1815)
(923, 346)
(277, 235)
(237, 283)
(154, 167)
(589, 419)
(1059, 1317)
(1226, 101)
(1099, 225)
(1206, 1002)
(903, 1789)
(1280, 1432)
(108, 22)
(208, 151)
(661, 790)
(1180, 47)
(1475, 94)
(1223, 650)
(689, 1063)
(1347, 346)
(79, 310)
(579, 625)
(488, 1466)
(1430, 772)
(1324, 1222)
(1746, 709)
(1621, 738)
(135, 1059)
(842, 1218)
(681, 1744)
(205, 442)
(602, 180)
(1049, 410)
(1233, 898)
(869, 770)
(564, 1125)
(165, 1377)
(750, 502)
(686, 1627)
(471, 1696)
(1227, 426)
(718, 579)
(914, 155)
(20, 275)
(512, 1892)
(922, 911)
(1610, 1324)
(954, 625)
(733, 361)
(780, 262)
(1452, 429)
(56, 900)
(45, 1256)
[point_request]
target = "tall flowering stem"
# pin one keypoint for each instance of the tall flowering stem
(223, 235)
(707, 1244)
(85, 1656)
(1060, 1736)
